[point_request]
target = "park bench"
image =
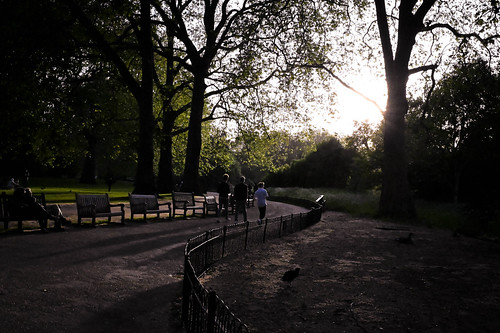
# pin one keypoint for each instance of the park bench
(211, 204)
(97, 205)
(8, 213)
(185, 201)
(147, 204)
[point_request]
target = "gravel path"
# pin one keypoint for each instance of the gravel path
(112, 278)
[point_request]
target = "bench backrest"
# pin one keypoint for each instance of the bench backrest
(85, 201)
(6, 204)
(178, 199)
(140, 201)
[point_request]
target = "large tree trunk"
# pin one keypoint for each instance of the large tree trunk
(395, 199)
(191, 168)
(144, 180)
(165, 165)
(89, 164)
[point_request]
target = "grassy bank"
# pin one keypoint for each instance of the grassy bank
(431, 214)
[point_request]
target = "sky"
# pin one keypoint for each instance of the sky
(351, 107)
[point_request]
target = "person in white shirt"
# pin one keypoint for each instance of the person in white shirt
(261, 195)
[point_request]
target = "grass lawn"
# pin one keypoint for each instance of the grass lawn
(63, 190)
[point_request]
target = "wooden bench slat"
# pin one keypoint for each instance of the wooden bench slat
(147, 204)
(186, 201)
(97, 205)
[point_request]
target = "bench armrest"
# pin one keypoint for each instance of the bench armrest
(122, 206)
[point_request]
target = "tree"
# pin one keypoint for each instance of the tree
(100, 121)
(201, 46)
(366, 140)
(413, 18)
(454, 138)
(111, 41)
(37, 62)
(328, 166)
(231, 45)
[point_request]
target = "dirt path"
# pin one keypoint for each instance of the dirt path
(111, 278)
(355, 277)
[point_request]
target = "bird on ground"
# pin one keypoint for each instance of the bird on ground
(290, 275)
(405, 240)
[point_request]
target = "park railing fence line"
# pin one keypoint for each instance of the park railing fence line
(202, 310)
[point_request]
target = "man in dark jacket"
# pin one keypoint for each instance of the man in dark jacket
(223, 189)
(240, 196)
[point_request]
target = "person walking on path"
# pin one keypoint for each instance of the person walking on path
(223, 189)
(240, 196)
(261, 195)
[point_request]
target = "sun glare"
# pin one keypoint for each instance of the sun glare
(351, 107)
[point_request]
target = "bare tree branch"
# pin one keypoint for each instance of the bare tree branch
(454, 31)
(345, 84)
(422, 69)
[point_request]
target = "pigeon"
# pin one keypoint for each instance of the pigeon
(405, 240)
(290, 275)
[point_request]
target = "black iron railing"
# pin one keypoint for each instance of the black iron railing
(202, 310)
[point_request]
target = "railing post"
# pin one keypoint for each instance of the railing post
(205, 251)
(224, 231)
(281, 226)
(265, 231)
(212, 306)
(186, 292)
(246, 234)
(194, 318)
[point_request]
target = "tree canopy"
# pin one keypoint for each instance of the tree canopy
(189, 88)
(454, 137)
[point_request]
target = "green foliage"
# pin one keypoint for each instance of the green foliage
(36, 59)
(272, 150)
(216, 152)
(366, 171)
(453, 146)
(454, 139)
(328, 166)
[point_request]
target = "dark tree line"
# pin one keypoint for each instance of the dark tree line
(455, 138)
(330, 165)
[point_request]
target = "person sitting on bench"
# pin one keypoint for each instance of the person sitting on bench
(25, 204)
